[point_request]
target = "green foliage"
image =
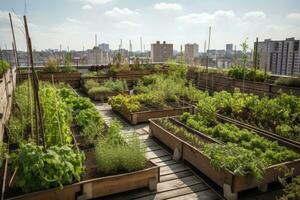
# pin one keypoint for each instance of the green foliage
(124, 103)
(288, 81)
(86, 116)
(3, 152)
(291, 188)
(267, 151)
(89, 75)
(238, 72)
(92, 131)
(280, 115)
(51, 65)
(16, 130)
(90, 83)
(115, 158)
(56, 115)
(114, 135)
(94, 87)
(4, 66)
(231, 157)
(236, 159)
(42, 170)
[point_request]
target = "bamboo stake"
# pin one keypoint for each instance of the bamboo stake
(39, 119)
(14, 46)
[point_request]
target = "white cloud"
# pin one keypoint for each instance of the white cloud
(168, 6)
(254, 15)
(86, 7)
(294, 16)
(72, 20)
(129, 23)
(118, 12)
(201, 18)
(99, 2)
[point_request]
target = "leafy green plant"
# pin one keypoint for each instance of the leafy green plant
(4, 66)
(86, 116)
(236, 159)
(267, 151)
(38, 169)
(124, 103)
(57, 119)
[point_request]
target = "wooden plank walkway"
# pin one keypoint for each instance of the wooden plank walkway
(177, 181)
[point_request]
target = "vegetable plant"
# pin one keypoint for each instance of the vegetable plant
(38, 169)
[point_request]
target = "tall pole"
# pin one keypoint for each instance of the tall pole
(14, 42)
(141, 42)
(209, 32)
(39, 116)
(129, 52)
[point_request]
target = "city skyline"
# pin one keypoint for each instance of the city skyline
(74, 23)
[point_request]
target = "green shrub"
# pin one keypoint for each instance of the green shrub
(39, 169)
(51, 65)
(120, 158)
(90, 83)
(99, 90)
(250, 74)
(288, 81)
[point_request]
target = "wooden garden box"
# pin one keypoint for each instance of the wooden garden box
(144, 116)
(99, 187)
(231, 184)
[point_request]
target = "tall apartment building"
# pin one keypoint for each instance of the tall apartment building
(279, 57)
(191, 52)
(161, 52)
(229, 50)
(104, 47)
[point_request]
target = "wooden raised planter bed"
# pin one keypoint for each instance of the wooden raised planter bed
(144, 116)
(99, 187)
(231, 184)
(104, 96)
(71, 78)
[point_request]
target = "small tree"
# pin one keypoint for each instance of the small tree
(245, 48)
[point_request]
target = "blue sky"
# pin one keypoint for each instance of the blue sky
(74, 23)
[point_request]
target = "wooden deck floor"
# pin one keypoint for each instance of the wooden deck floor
(177, 179)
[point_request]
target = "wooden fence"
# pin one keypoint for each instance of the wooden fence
(218, 82)
(7, 86)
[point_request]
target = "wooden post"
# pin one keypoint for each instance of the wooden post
(14, 45)
(35, 81)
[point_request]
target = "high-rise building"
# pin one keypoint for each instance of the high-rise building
(229, 50)
(161, 52)
(279, 57)
(104, 47)
(191, 52)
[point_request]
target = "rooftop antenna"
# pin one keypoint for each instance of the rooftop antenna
(209, 32)
(141, 42)
(130, 49)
